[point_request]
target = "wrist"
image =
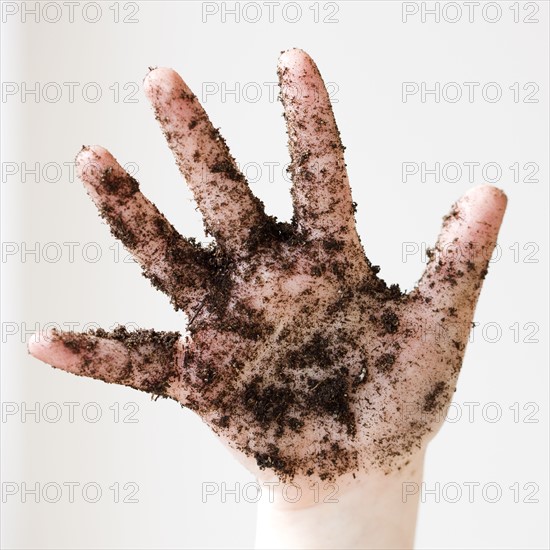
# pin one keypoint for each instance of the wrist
(371, 511)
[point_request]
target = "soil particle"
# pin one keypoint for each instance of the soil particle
(272, 459)
(115, 185)
(78, 343)
(227, 168)
(268, 403)
(295, 424)
(331, 396)
(385, 362)
(316, 352)
(390, 321)
(271, 234)
(333, 245)
(433, 398)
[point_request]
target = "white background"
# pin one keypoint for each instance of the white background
(367, 53)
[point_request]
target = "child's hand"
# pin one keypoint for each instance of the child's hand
(299, 357)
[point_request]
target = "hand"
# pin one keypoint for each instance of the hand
(297, 355)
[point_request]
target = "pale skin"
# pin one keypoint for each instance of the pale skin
(308, 366)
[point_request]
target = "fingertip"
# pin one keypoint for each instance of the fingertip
(161, 80)
(291, 54)
(92, 160)
(154, 76)
(92, 152)
(44, 346)
(34, 345)
(488, 201)
(294, 58)
(488, 192)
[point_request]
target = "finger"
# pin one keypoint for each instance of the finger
(145, 360)
(229, 208)
(173, 264)
(321, 194)
(458, 264)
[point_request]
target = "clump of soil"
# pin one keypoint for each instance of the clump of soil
(268, 403)
(433, 399)
(385, 362)
(331, 396)
(390, 321)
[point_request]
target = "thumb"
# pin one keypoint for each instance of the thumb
(458, 263)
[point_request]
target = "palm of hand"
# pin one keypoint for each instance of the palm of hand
(298, 355)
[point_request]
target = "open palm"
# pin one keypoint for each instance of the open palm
(297, 354)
